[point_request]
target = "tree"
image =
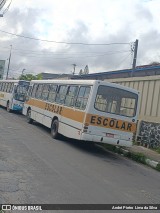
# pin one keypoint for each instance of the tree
(81, 72)
(154, 63)
(39, 76)
(86, 69)
(29, 77)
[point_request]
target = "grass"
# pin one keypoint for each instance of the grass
(158, 150)
(158, 167)
(139, 157)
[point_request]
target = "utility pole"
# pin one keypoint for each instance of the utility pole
(9, 62)
(135, 49)
(74, 68)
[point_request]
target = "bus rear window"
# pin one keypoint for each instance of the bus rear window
(116, 101)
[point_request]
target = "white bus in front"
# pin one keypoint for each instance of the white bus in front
(12, 94)
(88, 110)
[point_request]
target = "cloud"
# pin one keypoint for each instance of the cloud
(84, 22)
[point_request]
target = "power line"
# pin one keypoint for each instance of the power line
(2, 3)
(29, 53)
(89, 56)
(59, 53)
(7, 8)
(58, 42)
(124, 59)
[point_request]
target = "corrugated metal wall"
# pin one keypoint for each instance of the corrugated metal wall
(149, 88)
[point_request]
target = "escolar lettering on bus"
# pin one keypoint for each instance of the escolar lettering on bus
(53, 108)
(111, 123)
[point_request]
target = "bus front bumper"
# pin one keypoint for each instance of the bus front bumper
(107, 140)
(17, 107)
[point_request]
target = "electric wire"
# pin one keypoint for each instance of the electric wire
(58, 53)
(7, 8)
(60, 42)
(124, 59)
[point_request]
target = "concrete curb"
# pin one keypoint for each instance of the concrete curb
(135, 156)
(149, 162)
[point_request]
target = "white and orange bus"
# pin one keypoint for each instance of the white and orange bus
(12, 94)
(88, 110)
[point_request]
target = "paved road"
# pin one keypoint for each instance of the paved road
(34, 168)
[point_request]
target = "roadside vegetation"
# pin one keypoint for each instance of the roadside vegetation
(138, 157)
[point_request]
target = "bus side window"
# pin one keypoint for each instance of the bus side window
(3, 85)
(71, 95)
(0, 86)
(5, 88)
(39, 91)
(9, 86)
(61, 95)
(82, 98)
(45, 91)
(52, 93)
(34, 90)
(29, 92)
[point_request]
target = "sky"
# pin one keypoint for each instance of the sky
(104, 32)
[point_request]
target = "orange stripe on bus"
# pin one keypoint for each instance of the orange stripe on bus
(91, 119)
(72, 114)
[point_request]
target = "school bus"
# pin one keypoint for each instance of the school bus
(87, 110)
(12, 94)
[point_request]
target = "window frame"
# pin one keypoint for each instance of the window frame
(51, 92)
(83, 97)
(135, 107)
(73, 97)
(58, 94)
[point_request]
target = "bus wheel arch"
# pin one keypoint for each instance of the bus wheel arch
(28, 115)
(54, 127)
(8, 107)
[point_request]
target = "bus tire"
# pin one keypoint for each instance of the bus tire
(54, 129)
(8, 108)
(29, 119)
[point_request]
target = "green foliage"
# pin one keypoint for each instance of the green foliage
(110, 147)
(29, 77)
(139, 157)
(158, 150)
(158, 167)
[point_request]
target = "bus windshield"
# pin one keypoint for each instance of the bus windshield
(116, 101)
(20, 92)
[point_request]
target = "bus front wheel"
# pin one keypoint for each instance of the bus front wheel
(8, 107)
(29, 119)
(54, 129)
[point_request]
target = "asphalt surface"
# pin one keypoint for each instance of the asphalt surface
(34, 168)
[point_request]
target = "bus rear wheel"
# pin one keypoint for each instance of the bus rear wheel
(54, 129)
(29, 119)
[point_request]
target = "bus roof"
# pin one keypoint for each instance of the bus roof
(13, 81)
(68, 81)
(86, 82)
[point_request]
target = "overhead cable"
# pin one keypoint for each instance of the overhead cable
(59, 42)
